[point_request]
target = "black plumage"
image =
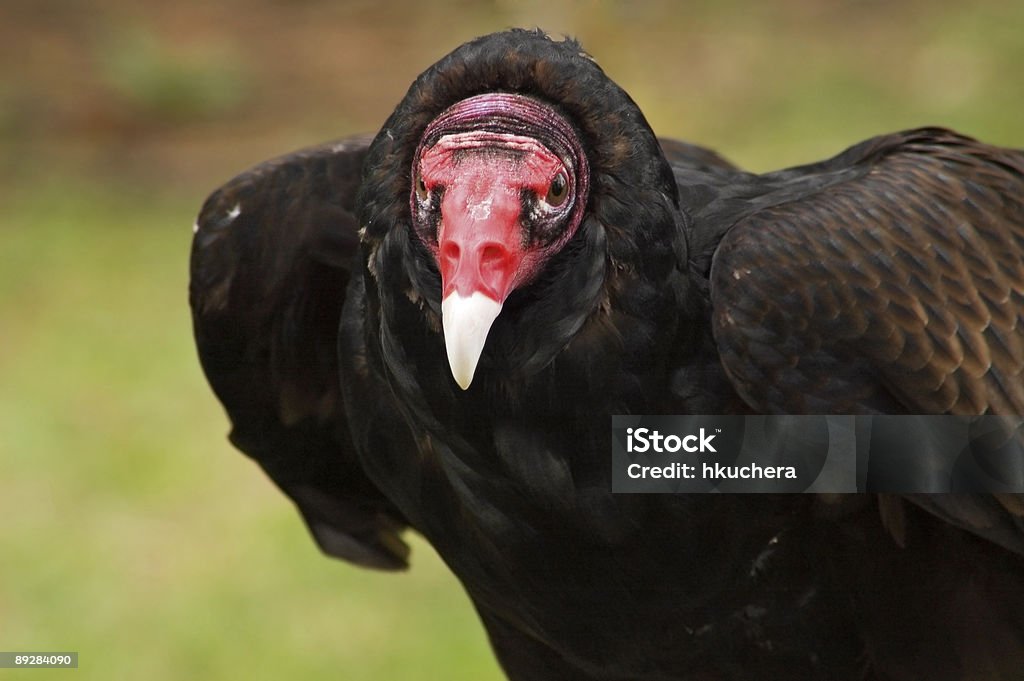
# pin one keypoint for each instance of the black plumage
(889, 279)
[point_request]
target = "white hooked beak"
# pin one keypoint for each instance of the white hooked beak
(466, 322)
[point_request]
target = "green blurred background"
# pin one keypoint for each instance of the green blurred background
(130, 531)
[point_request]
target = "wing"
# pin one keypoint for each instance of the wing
(270, 265)
(896, 286)
(686, 156)
(889, 279)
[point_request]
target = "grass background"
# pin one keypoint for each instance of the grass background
(130, 531)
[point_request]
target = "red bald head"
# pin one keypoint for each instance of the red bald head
(499, 186)
(487, 181)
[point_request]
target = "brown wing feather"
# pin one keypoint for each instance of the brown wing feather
(911, 273)
(270, 265)
(693, 156)
(898, 287)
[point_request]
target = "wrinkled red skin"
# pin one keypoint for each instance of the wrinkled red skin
(481, 243)
(492, 157)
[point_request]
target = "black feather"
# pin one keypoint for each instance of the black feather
(888, 279)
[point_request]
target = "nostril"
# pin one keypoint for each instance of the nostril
(450, 251)
(492, 254)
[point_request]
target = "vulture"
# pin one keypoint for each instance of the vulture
(429, 330)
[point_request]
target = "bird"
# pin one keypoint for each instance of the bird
(429, 329)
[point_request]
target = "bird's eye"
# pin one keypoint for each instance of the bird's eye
(421, 188)
(558, 190)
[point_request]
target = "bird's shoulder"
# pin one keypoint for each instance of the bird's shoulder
(888, 278)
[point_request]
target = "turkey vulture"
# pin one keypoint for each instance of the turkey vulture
(430, 330)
